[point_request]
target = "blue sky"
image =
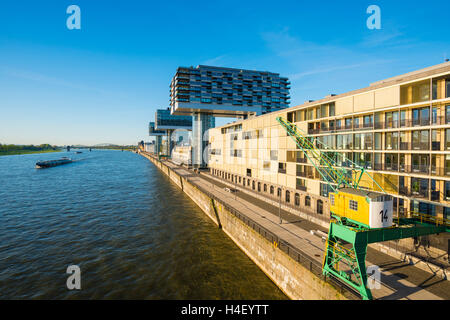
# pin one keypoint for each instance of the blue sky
(102, 84)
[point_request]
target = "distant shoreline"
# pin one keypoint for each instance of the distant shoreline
(19, 152)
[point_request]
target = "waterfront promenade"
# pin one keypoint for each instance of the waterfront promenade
(399, 280)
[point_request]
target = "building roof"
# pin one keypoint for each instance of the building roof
(362, 193)
(411, 76)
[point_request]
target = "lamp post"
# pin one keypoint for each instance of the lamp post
(279, 206)
(235, 190)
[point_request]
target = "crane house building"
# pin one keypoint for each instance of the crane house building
(398, 129)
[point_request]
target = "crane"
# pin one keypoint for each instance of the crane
(359, 216)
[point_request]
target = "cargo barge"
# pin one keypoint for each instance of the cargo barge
(52, 163)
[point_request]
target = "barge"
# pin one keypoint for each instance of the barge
(52, 163)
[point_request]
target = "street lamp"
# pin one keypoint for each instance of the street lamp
(235, 190)
(279, 205)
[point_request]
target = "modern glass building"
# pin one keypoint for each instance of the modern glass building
(164, 120)
(206, 92)
(227, 92)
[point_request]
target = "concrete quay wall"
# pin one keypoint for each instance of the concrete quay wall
(294, 278)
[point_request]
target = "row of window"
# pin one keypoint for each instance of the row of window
(403, 140)
(270, 189)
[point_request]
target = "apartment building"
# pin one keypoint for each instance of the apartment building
(398, 129)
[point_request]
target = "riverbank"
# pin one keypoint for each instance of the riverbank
(271, 246)
(291, 253)
(19, 152)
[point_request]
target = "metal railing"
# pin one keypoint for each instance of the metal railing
(300, 257)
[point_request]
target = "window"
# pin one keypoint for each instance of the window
(357, 143)
(272, 189)
(403, 118)
(279, 192)
(420, 92)
(249, 172)
(319, 206)
(265, 187)
(391, 141)
(297, 199)
(447, 86)
(308, 201)
(447, 114)
(447, 139)
(434, 116)
(353, 205)
(447, 190)
(392, 119)
(421, 117)
(332, 199)
(332, 107)
(368, 121)
(420, 140)
(378, 145)
(348, 123)
(274, 155)
(288, 196)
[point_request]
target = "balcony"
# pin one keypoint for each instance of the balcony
(421, 122)
(414, 192)
(436, 145)
(405, 123)
(313, 131)
(418, 169)
(420, 146)
(386, 167)
(435, 195)
(301, 174)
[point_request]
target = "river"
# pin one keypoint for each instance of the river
(133, 234)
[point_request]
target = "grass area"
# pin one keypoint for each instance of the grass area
(16, 152)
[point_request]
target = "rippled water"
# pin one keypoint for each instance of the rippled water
(133, 234)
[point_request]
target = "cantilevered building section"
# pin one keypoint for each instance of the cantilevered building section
(166, 121)
(206, 92)
(167, 124)
(227, 92)
(158, 134)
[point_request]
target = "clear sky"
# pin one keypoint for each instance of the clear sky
(102, 84)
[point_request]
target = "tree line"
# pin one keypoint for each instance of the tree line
(14, 147)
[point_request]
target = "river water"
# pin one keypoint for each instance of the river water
(133, 234)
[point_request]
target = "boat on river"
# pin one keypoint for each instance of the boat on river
(53, 163)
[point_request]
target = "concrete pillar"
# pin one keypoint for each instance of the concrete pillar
(201, 122)
(158, 143)
(170, 143)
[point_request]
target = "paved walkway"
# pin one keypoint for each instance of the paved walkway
(398, 280)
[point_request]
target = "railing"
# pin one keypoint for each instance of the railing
(394, 124)
(302, 258)
(301, 174)
(414, 193)
(422, 217)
